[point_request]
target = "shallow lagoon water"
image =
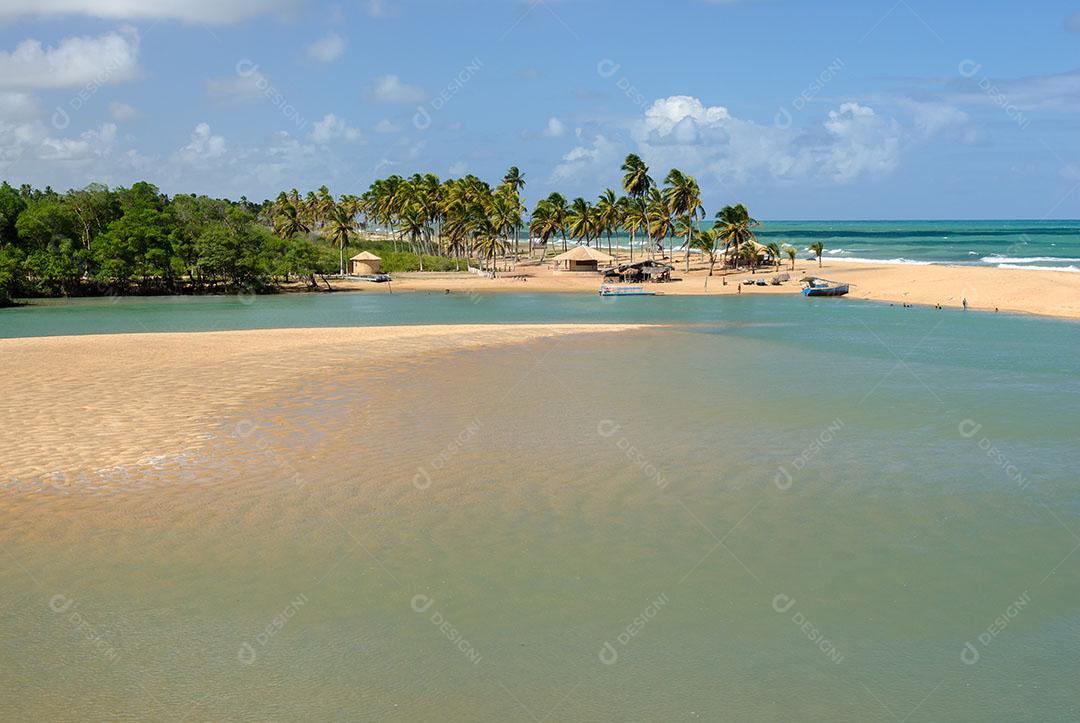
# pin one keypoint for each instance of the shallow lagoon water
(774, 508)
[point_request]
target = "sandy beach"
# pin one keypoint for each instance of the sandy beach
(106, 401)
(1040, 292)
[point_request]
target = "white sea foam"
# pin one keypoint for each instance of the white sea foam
(1029, 267)
(1023, 259)
(899, 261)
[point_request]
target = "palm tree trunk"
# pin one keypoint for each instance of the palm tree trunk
(689, 232)
(631, 245)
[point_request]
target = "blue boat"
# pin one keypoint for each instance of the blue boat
(824, 287)
(625, 290)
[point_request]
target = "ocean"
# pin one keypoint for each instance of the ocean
(771, 508)
(1006, 244)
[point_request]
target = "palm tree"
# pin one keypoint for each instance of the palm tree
(581, 220)
(290, 222)
(636, 180)
(708, 242)
(341, 225)
(543, 224)
(633, 217)
(659, 219)
(413, 223)
(818, 248)
(791, 251)
(559, 213)
(774, 251)
(607, 215)
(515, 179)
(502, 211)
(683, 198)
(324, 205)
(488, 245)
(736, 226)
(748, 252)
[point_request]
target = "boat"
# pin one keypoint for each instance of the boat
(625, 290)
(823, 287)
(762, 282)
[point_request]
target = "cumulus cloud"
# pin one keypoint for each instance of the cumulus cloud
(75, 61)
(554, 128)
(31, 144)
(203, 147)
(192, 11)
(390, 89)
(327, 49)
(89, 144)
(852, 142)
(18, 107)
(332, 128)
(585, 161)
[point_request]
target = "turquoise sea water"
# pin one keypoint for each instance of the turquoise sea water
(773, 509)
(1022, 244)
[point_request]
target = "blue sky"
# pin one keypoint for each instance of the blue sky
(816, 110)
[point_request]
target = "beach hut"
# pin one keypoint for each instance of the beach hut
(364, 263)
(638, 271)
(582, 258)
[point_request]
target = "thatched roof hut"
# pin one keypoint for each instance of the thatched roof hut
(364, 263)
(582, 258)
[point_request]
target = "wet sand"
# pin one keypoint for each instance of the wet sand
(93, 403)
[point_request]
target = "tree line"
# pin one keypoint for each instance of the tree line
(137, 240)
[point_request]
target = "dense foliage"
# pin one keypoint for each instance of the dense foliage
(136, 240)
(99, 240)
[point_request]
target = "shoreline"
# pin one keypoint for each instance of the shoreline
(1024, 291)
(1027, 291)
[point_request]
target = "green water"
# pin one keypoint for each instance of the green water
(794, 500)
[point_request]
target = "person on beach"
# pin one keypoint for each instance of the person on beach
(965, 303)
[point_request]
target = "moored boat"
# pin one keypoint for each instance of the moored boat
(625, 290)
(823, 287)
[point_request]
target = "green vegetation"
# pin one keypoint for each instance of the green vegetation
(139, 241)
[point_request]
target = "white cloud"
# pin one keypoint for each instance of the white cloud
(18, 107)
(122, 112)
(585, 162)
(45, 157)
(332, 128)
(390, 89)
(192, 11)
(75, 61)
(554, 128)
(89, 144)
(204, 146)
(327, 49)
(707, 141)
(931, 117)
